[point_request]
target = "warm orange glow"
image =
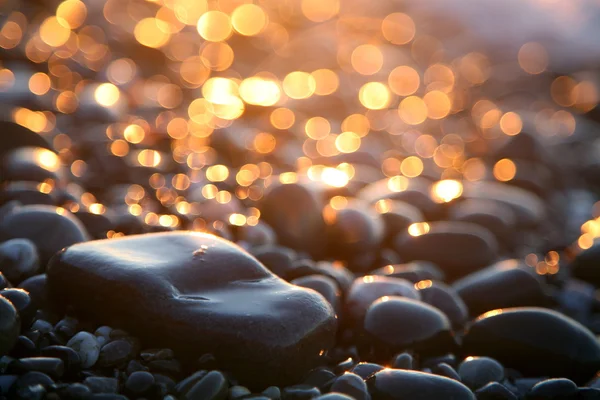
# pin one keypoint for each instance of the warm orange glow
(413, 110)
(511, 123)
(152, 32)
(505, 170)
(299, 85)
(446, 190)
(418, 229)
(318, 10)
(39, 83)
(214, 26)
(55, 31)
(404, 80)
(249, 19)
(367, 59)
(107, 94)
(398, 28)
(374, 96)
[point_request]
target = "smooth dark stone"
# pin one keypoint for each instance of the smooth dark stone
(588, 394)
(273, 392)
(95, 224)
(15, 136)
(318, 377)
(87, 348)
(342, 275)
(294, 213)
(558, 388)
(344, 366)
(164, 384)
(505, 284)
(300, 392)
(115, 353)
(99, 384)
(532, 341)
(396, 323)
(496, 217)
(172, 367)
(66, 327)
(364, 291)
(236, 392)
(213, 386)
(445, 299)
(398, 384)
(33, 392)
(324, 285)
(18, 260)
(494, 391)
(431, 362)
(334, 396)
(476, 372)
(24, 347)
(461, 247)
(37, 289)
(397, 216)
(301, 268)
(528, 208)
(134, 366)
(70, 358)
(6, 382)
(186, 384)
(22, 302)
(352, 385)
(108, 396)
(32, 164)
(26, 193)
(354, 230)
(194, 293)
(584, 266)
(76, 391)
(364, 369)
(10, 325)
(415, 271)
(139, 382)
(157, 354)
(49, 228)
(33, 378)
(53, 367)
(277, 259)
(257, 235)
(444, 369)
(403, 361)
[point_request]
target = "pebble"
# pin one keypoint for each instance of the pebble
(403, 361)
(325, 286)
(532, 341)
(558, 388)
(398, 384)
(235, 392)
(190, 287)
(414, 271)
(33, 378)
(70, 358)
(139, 383)
(494, 391)
(300, 392)
(446, 370)
(278, 259)
(53, 367)
(37, 289)
(294, 212)
(364, 291)
(186, 384)
(22, 302)
(319, 377)
(398, 323)
(49, 228)
(18, 260)
(492, 215)
(476, 372)
(461, 247)
(508, 283)
(66, 327)
(24, 347)
(365, 369)
(100, 384)
(87, 348)
(445, 299)
(10, 325)
(352, 385)
(6, 382)
(584, 266)
(397, 216)
(17, 136)
(77, 391)
(334, 396)
(213, 386)
(115, 353)
(272, 392)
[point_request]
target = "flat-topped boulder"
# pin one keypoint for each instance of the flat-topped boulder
(197, 294)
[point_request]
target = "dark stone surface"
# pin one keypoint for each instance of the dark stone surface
(414, 271)
(22, 302)
(49, 228)
(365, 369)
(460, 247)
(10, 326)
(558, 388)
(398, 323)
(364, 291)
(18, 260)
(398, 384)
(585, 265)
(494, 391)
(195, 293)
(15, 136)
(352, 385)
(508, 283)
(212, 386)
(324, 285)
(536, 342)
(476, 372)
(445, 299)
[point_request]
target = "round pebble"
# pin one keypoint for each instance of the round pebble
(87, 348)
(476, 372)
(18, 260)
(9, 325)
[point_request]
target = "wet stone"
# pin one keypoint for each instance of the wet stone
(476, 372)
(364, 291)
(445, 299)
(352, 385)
(397, 216)
(300, 392)
(550, 389)
(87, 348)
(10, 325)
(213, 386)
(98, 384)
(18, 260)
(414, 271)
(505, 284)
(396, 323)
(115, 353)
(318, 377)
(49, 228)
(494, 391)
(461, 247)
(397, 384)
(139, 382)
(173, 297)
(26, 193)
(532, 341)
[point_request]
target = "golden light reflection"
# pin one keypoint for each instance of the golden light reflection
(446, 190)
(418, 229)
(107, 94)
(505, 170)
